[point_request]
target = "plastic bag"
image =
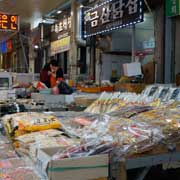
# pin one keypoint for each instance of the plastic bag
(22, 123)
(64, 88)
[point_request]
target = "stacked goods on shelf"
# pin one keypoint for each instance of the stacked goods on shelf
(112, 133)
(122, 124)
(130, 87)
(18, 168)
(89, 87)
(85, 100)
(6, 149)
(74, 126)
(60, 142)
(114, 102)
(22, 123)
(24, 142)
(167, 118)
(13, 167)
(154, 95)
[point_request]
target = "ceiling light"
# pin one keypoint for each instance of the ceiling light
(36, 46)
(59, 12)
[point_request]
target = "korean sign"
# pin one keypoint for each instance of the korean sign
(61, 29)
(172, 7)
(6, 46)
(112, 15)
(59, 46)
(9, 22)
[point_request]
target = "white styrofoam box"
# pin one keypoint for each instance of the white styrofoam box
(25, 77)
(132, 69)
(3, 95)
(53, 99)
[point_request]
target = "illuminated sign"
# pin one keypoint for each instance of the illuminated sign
(6, 46)
(60, 46)
(9, 22)
(62, 28)
(111, 15)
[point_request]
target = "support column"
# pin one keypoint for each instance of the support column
(169, 53)
(133, 39)
(159, 38)
(31, 58)
(73, 50)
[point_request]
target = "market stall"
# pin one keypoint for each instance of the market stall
(118, 132)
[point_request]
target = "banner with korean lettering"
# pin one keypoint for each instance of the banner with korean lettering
(62, 28)
(9, 22)
(172, 8)
(59, 46)
(6, 46)
(111, 15)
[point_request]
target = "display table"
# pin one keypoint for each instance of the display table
(158, 156)
(52, 99)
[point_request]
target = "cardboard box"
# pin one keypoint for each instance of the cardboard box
(132, 69)
(84, 168)
(53, 99)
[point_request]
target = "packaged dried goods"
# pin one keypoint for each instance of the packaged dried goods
(21, 123)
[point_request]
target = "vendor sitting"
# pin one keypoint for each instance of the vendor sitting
(56, 73)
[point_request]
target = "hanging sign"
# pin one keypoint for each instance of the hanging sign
(6, 46)
(62, 28)
(172, 8)
(60, 46)
(111, 15)
(9, 22)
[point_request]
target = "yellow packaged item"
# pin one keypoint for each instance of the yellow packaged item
(22, 123)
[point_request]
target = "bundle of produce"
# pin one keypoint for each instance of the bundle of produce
(22, 123)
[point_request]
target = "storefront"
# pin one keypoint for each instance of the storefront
(125, 32)
(114, 46)
(172, 40)
(60, 40)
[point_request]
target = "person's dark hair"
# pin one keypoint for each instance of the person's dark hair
(54, 63)
(46, 67)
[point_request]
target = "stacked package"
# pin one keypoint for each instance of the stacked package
(13, 167)
(22, 123)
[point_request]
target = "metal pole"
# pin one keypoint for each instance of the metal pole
(133, 43)
(73, 51)
(24, 53)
